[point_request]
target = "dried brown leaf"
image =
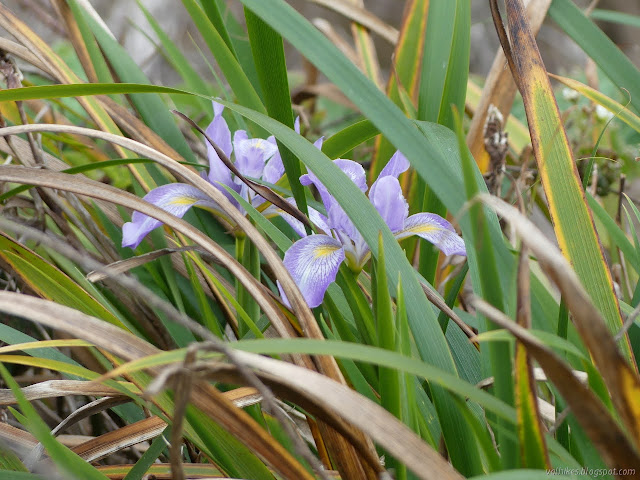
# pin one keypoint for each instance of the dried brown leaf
(129, 347)
(602, 429)
(620, 378)
(499, 89)
(329, 400)
(298, 303)
(58, 388)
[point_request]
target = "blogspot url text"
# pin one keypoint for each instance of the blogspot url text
(592, 472)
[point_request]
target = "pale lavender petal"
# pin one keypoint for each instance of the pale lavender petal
(251, 155)
(338, 220)
(436, 230)
(395, 166)
(388, 199)
(352, 169)
(318, 143)
(218, 131)
(313, 263)
(318, 219)
(274, 169)
(296, 125)
(218, 108)
(240, 135)
(175, 198)
(325, 196)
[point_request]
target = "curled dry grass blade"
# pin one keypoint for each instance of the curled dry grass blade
(499, 89)
(57, 388)
(593, 416)
(129, 347)
(56, 180)
(321, 391)
(620, 378)
(311, 329)
(571, 216)
(25, 54)
(116, 440)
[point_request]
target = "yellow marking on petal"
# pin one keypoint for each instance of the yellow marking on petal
(324, 250)
(422, 229)
(183, 201)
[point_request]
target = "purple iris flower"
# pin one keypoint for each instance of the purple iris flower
(314, 260)
(254, 157)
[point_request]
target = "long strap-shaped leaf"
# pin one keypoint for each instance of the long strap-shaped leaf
(572, 218)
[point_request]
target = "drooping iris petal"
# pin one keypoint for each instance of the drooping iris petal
(218, 131)
(313, 263)
(251, 155)
(175, 198)
(434, 229)
(221, 135)
(388, 199)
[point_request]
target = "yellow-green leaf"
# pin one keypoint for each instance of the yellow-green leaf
(572, 218)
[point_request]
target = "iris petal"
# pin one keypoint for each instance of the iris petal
(274, 169)
(313, 263)
(175, 198)
(388, 199)
(338, 220)
(395, 166)
(218, 131)
(318, 219)
(352, 169)
(436, 230)
(251, 155)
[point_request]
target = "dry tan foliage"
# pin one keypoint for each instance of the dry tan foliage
(621, 380)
